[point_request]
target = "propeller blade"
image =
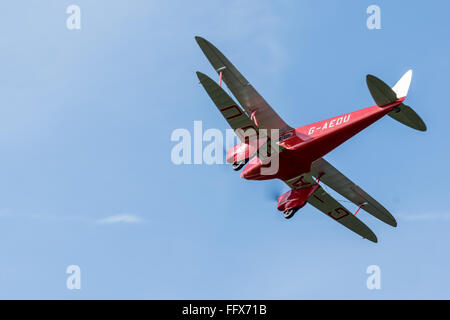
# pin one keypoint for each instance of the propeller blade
(273, 192)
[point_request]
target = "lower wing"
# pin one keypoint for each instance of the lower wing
(322, 201)
(330, 176)
(328, 205)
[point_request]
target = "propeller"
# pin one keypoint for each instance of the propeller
(274, 191)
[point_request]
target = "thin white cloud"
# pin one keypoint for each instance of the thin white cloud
(113, 219)
(444, 216)
(120, 218)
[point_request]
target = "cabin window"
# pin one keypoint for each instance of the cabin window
(286, 136)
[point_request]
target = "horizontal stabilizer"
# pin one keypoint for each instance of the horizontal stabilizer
(380, 91)
(408, 117)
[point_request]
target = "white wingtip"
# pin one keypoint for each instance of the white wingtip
(402, 86)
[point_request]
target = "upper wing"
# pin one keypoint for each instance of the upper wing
(252, 102)
(234, 115)
(325, 203)
(344, 186)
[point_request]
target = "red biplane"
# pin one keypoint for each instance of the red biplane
(300, 150)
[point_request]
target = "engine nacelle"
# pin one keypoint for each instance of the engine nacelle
(244, 150)
(295, 198)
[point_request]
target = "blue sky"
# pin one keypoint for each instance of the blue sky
(86, 176)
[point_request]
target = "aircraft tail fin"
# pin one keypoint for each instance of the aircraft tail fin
(384, 95)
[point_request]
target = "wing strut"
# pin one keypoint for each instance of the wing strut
(253, 117)
(359, 207)
(220, 79)
(220, 70)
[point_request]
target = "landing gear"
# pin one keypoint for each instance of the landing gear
(239, 165)
(290, 213)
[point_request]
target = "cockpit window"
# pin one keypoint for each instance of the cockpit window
(286, 136)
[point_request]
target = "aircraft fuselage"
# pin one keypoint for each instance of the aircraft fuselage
(306, 144)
